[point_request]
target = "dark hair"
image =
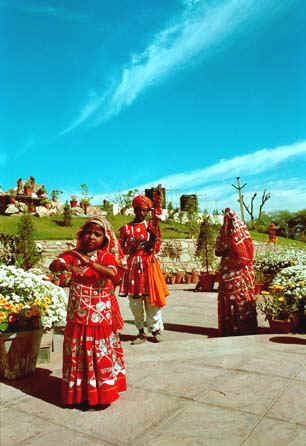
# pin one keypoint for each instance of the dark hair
(105, 241)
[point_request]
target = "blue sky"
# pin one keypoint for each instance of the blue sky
(128, 94)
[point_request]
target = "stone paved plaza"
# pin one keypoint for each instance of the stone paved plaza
(192, 389)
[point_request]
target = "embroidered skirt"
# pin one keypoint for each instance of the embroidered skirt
(93, 365)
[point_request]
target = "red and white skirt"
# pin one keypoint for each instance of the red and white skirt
(93, 365)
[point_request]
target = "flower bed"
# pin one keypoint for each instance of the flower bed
(286, 298)
(28, 300)
(271, 262)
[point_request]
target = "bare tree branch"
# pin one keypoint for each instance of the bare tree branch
(265, 197)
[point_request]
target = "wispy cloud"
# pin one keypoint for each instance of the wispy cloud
(245, 165)
(213, 184)
(188, 37)
(24, 149)
(86, 111)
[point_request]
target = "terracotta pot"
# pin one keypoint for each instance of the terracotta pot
(19, 352)
(285, 326)
(27, 191)
(12, 200)
(179, 277)
(170, 279)
(188, 278)
(206, 282)
(195, 276)
(280, 326)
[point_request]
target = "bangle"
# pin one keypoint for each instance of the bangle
(91, 263)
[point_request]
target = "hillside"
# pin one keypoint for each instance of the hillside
(51, 228)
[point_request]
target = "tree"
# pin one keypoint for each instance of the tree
(67, 215)
(125, 199)
(27, 253)
(206, 242)
(250, 208)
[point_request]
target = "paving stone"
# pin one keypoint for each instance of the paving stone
(199, 424)
(291, 406)
(17, 427)
(271, 432)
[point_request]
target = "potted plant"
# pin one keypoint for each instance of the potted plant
(269, 262)
(28, 188)
(42, 191)
(170, 275)
(12, 195)
(29, 306)
(205, 252)
(284, 303)
(85, 200)
(55, 193)
(84, 203)
(74, 201)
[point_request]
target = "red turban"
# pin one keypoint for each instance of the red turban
(141, 202)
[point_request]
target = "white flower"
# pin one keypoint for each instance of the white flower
(18, 286)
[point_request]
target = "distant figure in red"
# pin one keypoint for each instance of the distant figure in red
(236, 298)
(272, 233)
(93, 365)
(143, 281)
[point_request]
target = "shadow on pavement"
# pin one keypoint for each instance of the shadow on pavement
(40, 385)
(205, 331)
(288, 340)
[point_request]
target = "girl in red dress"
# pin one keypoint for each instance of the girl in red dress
(236, 298)
(93, 365)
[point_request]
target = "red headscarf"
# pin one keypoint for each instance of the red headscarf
(112, 242)
(142, 202)
(235, 238)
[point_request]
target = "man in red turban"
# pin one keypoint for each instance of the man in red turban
(143, 281)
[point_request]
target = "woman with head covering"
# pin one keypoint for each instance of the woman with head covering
(93, 365)
(236, 298)
(143, 281)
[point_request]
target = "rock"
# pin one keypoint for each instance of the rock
(11, 209)
(41, 211)
(77, 211)
(21, 206)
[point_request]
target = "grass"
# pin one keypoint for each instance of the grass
(51, 228)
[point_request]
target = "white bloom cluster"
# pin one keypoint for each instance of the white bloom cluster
(18, 286)
(273, 261)
(294, 281)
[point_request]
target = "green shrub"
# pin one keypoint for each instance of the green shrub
(27, 254)
(67, 215)
(7, 249)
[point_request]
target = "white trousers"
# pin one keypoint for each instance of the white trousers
(141, 306)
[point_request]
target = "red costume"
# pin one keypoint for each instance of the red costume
(143, 280)
(93, 365)
(272, 233)
(236, 298)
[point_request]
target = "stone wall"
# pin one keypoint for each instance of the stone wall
(177, 253)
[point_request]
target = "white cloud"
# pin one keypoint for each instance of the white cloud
(213, 184)
(245, 165)
(87, 111)
(190, 36)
